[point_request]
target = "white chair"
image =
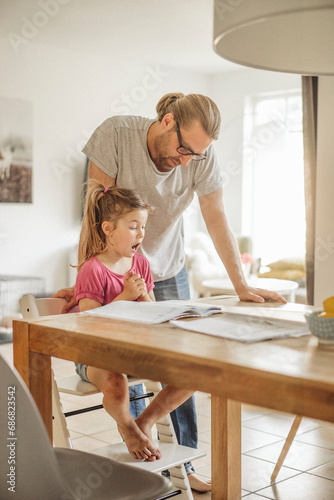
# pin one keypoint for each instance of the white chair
(173, 455)
(33, 469)
(33, 308)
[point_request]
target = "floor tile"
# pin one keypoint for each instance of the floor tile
(279, 424)
(204, 410)
(301, 487)
(323, 437)
(86, 443)
(326, 471)
(254, 496)
(90, 423)
(74, 434)
(253, 439)
(69, 405)
(110, 436)
(204, 471)
(204, 423)
(249, 411)
(301, 456)
(206, 460)
(205, 437)
(83, 401)
(256, 473)
(202, 398)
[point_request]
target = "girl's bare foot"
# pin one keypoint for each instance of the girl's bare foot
(139, 445)
(147, 430)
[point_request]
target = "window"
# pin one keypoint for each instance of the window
(273, 176)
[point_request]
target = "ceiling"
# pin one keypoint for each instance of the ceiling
(167, 32)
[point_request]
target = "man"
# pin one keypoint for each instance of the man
(150, 155)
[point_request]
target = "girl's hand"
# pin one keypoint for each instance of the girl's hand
(69, 295)
(134, 286)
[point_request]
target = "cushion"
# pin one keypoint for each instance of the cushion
(295, 263)
(284, 274)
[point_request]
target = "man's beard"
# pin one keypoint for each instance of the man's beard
(163, 162)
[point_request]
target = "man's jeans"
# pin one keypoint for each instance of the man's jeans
(184, 417)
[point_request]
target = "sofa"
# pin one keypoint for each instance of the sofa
(203, 262)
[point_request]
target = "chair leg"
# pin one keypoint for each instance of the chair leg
(286, 447)
(165, 428)
(179, 478)
(61, 436)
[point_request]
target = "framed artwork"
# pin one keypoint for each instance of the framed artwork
(16, 128)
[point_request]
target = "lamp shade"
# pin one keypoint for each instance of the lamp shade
(293, 36)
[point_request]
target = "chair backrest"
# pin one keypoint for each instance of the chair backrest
(31, 307)
(31, 466)
(31, 469)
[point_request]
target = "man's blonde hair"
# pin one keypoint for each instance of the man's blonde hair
(187, 108)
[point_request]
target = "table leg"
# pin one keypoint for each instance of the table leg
(226, 449)
(21, 349)
(41, 387)
(35, 369)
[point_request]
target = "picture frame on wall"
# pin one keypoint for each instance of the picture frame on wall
(16, 157)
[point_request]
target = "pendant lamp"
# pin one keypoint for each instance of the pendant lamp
(293, 36)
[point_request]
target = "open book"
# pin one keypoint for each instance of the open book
(243, 329)
(153, 312)
(252, 323)
(286, 313)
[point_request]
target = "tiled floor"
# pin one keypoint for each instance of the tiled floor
(307, 474)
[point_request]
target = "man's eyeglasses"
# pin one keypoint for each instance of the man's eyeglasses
(186, 151)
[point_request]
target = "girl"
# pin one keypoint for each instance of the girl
(112, 270)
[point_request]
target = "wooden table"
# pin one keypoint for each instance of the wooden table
(220, 286)
(294, 375)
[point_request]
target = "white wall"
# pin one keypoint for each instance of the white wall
(229, 91)
(324, 223)
(71, 93)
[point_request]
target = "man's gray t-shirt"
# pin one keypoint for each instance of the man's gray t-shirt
(119, 148)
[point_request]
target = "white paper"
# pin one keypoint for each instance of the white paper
(291, 312)
(243, 329)
(152, 312)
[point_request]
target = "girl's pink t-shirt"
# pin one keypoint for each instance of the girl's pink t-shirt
(95, 281)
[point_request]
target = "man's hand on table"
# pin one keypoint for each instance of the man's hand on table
(69, 295)
(258, 295)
